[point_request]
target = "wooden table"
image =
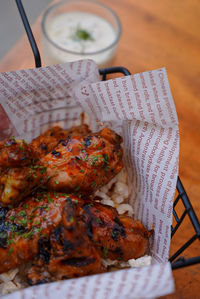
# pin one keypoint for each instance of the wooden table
(155, 34)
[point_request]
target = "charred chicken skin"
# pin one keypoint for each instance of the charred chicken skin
(20, 168)
(115, 236)
(65, 236)
(84, 164)
(45, 143)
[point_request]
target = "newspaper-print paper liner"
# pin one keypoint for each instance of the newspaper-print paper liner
(146, 282)
(139, 107)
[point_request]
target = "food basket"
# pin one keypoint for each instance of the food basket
(181, 198)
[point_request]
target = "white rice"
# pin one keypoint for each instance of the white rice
(116, 193)
(11, 281)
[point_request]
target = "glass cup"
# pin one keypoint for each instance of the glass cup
(80, 29)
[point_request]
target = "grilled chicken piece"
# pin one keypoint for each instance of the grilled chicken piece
(65, 237)
(48, 226)
(68, 253)
(44, 143)
(17, 183)
(83, 164)
(18, 171)
(15, 153)
(115, 236)
(20, 168)
(23, 227)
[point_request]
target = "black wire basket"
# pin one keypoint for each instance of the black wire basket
(182, 198)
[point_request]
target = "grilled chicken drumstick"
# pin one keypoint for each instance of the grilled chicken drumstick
(65, 236)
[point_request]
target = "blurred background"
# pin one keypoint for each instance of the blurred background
(11, 27)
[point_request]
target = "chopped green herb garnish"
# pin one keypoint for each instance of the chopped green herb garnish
(10, 241)
(10, 250)
(23, 221)
(81, 34)
(77, 188)
(49, 198)
(105, 251)
(81, 170)
(98, 220)
(93, 184)
(29, 234)
(34, 166)
(43, 169)
(40, 207)
(37, 230)
(105, 158)
(21, 214)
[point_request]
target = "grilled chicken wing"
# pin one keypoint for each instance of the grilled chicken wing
(16, 153)
(20, 167)
(83, 164)
(65, 236)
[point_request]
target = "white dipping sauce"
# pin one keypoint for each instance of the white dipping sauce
(81, 33)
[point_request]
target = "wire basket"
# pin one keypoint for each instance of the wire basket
(181, 198)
